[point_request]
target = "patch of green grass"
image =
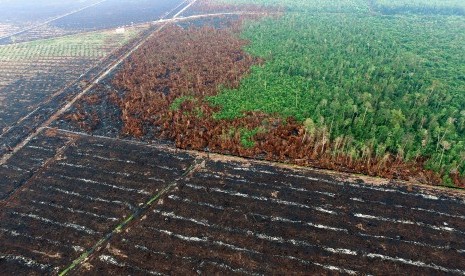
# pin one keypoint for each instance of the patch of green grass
(247, 137)
(197, 111)
(176, 104)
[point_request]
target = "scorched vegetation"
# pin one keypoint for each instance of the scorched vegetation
(333, 85)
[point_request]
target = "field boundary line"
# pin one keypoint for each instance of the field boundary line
(196, 164)
(198, 16)
(174, 9)
(344, 177)
(185, 8)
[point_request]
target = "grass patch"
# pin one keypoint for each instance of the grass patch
(247, 137)
(176, 105)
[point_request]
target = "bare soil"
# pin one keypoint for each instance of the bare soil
(227, 218)
(74, 192)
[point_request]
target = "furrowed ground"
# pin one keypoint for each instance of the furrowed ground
(61, 194)
(45, 106)
(86, 204)
(19, 15)
(43, 75)
(35, 73)
(24, 20)
(256, 219)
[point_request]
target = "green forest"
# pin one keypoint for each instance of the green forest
(309, 6)
(446, 7)
(383, 84)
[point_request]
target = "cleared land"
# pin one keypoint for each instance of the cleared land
(20, 124)
(36, 77)
(106, 14)
(217, 215)
(61, 194)
(259, 219)
(20, 17)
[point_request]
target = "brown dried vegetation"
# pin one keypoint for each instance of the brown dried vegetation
(179, 63)
(193, 64)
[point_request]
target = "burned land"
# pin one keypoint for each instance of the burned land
(122, 150)
(164, 92)
(143, 209)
